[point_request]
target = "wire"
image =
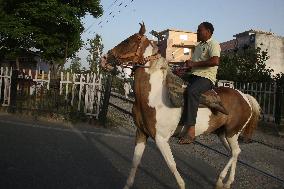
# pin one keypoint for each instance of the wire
(112, 14)
(112, 4)
(107, 9)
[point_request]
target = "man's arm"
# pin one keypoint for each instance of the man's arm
(213, 61)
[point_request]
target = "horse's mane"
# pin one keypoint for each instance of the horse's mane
(160, 63)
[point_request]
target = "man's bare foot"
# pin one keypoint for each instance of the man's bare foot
(188, 137)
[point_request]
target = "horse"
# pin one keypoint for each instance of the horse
(155, 117)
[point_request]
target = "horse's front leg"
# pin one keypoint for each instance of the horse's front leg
(165, 149)
(141, 140)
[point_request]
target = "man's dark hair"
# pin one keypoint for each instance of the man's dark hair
(208, 26)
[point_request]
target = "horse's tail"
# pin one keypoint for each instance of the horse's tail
(253, 122)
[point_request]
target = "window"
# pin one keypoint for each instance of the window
(183, 37)
(186, 51)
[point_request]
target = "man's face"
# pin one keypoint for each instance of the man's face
(203, 34)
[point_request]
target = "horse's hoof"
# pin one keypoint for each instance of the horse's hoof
(127, 186)
(227, 186)
(219, 185)
(182, 186)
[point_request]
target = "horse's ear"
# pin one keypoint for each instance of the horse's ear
(142, 29)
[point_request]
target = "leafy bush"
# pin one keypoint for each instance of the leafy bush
(245, 66)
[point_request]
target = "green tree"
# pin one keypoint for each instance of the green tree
(279, 78)
(51, 28)
(245, 66)
(75, 65)
(95, 52)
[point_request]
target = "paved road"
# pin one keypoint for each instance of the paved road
(34, 156)
(44, 156)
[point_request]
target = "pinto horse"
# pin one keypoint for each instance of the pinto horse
(155, 117)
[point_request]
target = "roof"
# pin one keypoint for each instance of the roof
(228, 45)
(253, 31)
(185, 44)
(175, 30)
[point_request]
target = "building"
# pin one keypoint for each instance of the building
(28, 61)
(265, 40)
(176, 45)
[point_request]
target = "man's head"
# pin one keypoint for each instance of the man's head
(204, 31)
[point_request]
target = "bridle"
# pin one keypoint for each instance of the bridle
(136, 55)
(138, 50)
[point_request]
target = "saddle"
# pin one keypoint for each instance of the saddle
(176, 88)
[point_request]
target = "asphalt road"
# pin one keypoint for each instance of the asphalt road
(45, 156)
(34, 156)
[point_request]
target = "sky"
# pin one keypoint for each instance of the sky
(121, 18)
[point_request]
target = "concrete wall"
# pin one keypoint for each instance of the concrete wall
(275, 46)
(179, 54)
(265, 40)
(172, 47)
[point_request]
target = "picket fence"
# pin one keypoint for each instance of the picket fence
(5, 83)
(85, 89)
(89, 93)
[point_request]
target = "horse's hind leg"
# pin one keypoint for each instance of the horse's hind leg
(224, 141)
(234, 144)
(141, 140)
(165, 149)
(235, 149)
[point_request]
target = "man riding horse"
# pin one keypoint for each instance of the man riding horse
(155, 115)
(201, 78)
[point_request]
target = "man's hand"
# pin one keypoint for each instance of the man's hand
(189, 64)
(180, 71)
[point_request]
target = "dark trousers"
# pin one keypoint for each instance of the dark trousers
(196, 86)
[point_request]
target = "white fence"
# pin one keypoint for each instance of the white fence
(85, 89)
(5, 83)
(266, 95)
(225, 83)
(88, 86)
(40, 79)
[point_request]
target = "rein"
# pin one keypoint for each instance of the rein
(144, 61)
(141, 62)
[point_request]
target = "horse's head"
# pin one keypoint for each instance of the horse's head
(132, 51)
